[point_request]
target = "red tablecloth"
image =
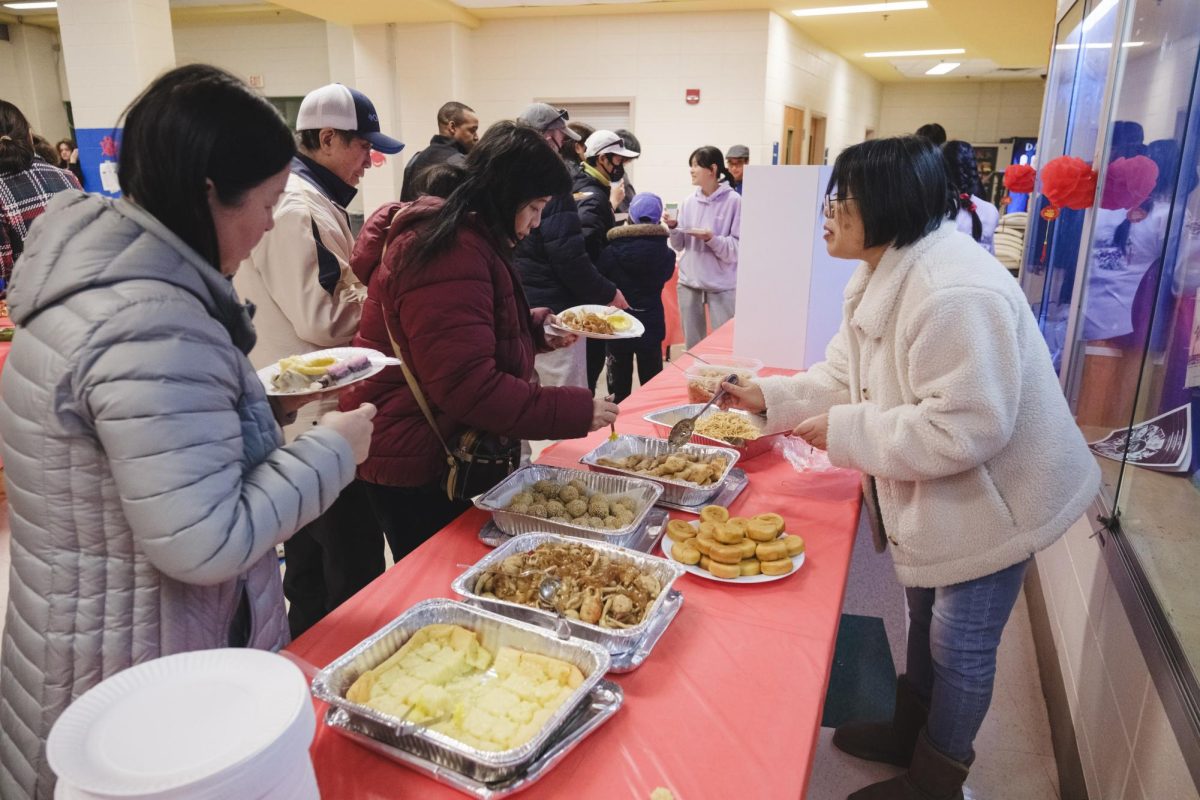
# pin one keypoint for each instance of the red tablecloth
(728, 704)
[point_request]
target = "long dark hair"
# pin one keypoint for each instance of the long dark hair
(511, 165)
(16, 151)
(900, 187)
(194, 124)
(963, 173)
(709, 156)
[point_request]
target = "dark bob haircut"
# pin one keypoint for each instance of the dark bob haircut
(191, 125)
(510, 166)
(900, 187)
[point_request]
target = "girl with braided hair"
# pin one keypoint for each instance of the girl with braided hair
(972, 214)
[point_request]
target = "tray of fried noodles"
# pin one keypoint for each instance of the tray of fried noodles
(609, 595)
(734, 428)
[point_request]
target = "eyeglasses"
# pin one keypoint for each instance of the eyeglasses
(828, 206)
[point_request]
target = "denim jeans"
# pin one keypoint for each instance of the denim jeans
(954, 632)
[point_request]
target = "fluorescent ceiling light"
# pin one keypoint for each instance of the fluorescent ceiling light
(31, 6)
(952, 51)
(862, 8)
(944, 67)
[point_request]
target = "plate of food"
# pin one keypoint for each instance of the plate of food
(729, 549)
(599, 322)
(320, 371)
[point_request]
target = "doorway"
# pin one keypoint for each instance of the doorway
(793, 135)
(816, 140)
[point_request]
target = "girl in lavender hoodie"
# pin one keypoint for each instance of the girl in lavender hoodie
(706, 237)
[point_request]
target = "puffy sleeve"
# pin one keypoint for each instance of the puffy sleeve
(965, 371)
(164, 401)
(791, 400)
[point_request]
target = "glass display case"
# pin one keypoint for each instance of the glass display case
(1115, 291)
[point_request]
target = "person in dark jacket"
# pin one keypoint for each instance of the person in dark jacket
(458, 131)
(572, 150)
(630, 142)
(554, 264)
(736, 159)
(639, 260)
(599, 190)
(455, 306)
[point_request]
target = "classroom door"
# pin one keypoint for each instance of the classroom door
(816, 141)
(793, 135)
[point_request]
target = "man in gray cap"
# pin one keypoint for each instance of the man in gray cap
(554, 265)
(736, 160)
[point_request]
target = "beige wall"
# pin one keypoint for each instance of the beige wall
(29, 79)
(802, 74)
(1126, 744)
(291, 57)
(975, 111)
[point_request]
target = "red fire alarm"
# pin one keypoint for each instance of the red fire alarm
(692, 96)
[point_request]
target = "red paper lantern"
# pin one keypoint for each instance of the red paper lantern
(1069, 182)
(1129, 182)
(1019, 178)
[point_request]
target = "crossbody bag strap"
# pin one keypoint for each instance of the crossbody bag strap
(411, 380)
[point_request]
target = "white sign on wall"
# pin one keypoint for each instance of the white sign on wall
(789, 292)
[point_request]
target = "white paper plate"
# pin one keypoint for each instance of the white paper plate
(634, 332)
(378, 362)
(667, 541)
(181, 726)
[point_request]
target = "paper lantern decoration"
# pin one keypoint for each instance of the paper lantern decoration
(1129, 182)
(1019, 178)
(1069, 182)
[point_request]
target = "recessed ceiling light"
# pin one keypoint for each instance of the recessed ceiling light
(862, 8)
(31, 6)
(944, 67)
(952, 51)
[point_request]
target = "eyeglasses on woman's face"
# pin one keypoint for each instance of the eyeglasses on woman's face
(828, 206)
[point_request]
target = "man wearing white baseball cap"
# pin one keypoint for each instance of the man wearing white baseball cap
(307, 298)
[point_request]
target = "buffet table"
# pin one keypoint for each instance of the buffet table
(728, 704)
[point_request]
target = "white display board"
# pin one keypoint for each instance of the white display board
(789, 291)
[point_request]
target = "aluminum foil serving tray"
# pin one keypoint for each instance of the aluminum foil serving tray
(679, 493)
(643, 539)
(614, 640)
(495, 631)
(645, 492)
(664, 418)
(604, 701)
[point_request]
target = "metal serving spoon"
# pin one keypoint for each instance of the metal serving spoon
(547, 592)
(681, 431)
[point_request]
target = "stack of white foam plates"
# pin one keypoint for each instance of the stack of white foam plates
(194, 726)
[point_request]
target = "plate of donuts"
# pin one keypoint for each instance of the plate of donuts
(730, 549)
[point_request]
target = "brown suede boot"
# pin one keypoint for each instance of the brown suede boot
(931, 776)
(887, 742)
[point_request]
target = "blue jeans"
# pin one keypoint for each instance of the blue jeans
(953, 635)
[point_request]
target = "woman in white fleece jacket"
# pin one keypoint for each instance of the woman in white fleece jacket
(939, 388)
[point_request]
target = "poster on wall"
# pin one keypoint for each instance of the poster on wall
(1163, 443)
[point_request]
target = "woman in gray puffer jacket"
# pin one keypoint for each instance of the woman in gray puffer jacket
(147, 481)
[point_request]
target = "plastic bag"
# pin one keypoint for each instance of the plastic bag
(802, 456)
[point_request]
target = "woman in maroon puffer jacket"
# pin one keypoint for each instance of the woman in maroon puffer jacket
(456, 308)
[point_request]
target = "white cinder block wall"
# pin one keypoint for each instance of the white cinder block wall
(29, 79)
(975, 111)
(1126, 744)
(802, 74)
(291, 57)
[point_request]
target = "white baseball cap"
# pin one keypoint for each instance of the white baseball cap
(346, 109)
(607, 143)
